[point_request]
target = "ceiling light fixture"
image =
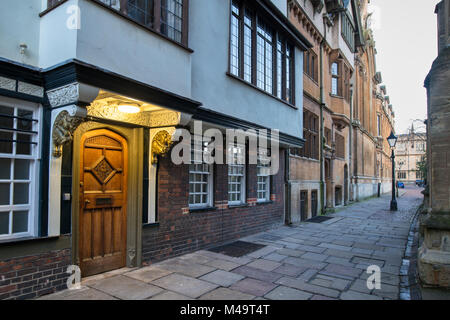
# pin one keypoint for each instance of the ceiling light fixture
(129, 108)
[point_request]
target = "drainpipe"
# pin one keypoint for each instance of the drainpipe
(322, 122)
(350, 134)
(287, 184)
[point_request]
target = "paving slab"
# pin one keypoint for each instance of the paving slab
(257, 274)
(354, 295)
(253, 287)
(187, 268)
(286, 293)
(170, 295)
(80, 294)
(266, 265)
(290, 270)
(311, 288)
(126, 288)
(226, 294)
(222, 264)
(184, 285)
(222, 278)
(148, 274)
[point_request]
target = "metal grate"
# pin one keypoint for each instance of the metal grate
(237, 249)
(319, 219)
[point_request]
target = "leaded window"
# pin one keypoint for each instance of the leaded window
(259, 54)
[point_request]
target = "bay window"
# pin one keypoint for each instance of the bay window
(168, 17)
(259, 54)
(19, 126)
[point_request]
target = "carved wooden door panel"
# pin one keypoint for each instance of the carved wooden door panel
(103, 202)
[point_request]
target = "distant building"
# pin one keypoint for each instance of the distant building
(410, 150)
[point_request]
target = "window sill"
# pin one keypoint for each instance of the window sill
(26, 239)
(202, 209)
(181, 45)
(262, 91)
(336, 96)
(234, 206)
(311, 78)
(262, 203)
(150, 225)
(304, 158)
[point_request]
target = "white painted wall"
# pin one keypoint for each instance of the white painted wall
(209, 38)
(115, 44)
(20, 28)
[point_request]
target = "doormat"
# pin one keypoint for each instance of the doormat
(237, 249)
(319, 219)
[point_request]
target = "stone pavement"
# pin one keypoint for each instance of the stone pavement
(309, 261)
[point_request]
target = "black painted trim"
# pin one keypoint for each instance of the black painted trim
(21, 72)
(78, 71)
(44, 172)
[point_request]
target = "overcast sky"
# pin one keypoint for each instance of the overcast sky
(406, 40)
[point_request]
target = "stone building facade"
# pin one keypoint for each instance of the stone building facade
(434, 254)
(410, 150)
(94, 97)
(347, 114)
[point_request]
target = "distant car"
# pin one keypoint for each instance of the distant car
(420, 183)
(400, 185)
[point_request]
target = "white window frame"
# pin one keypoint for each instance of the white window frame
(34, 157)
(235, 163)
(266, 175)
(209, 187)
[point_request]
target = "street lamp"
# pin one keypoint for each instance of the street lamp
(392, 140)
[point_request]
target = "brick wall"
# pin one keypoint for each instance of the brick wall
(33, 276)
(181, 231)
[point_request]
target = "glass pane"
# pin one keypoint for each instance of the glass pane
(20, 221)
(5, 169)
(4, 193)
(6, 146)
(20, 194)
(21, 169)
(24, 124)
(6, 122)
(4, 222)
(23, 147)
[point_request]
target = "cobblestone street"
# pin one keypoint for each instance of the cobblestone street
(314, 261)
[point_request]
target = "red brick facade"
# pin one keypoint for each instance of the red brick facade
(33, 276)
(182, 230)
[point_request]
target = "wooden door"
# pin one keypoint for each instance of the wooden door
(103, 202)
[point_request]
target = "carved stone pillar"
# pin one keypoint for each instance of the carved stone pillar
(68, 112)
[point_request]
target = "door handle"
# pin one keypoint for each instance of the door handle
(86, 202)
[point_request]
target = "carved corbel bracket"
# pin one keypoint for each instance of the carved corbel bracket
(65, 124)
(161, 144)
